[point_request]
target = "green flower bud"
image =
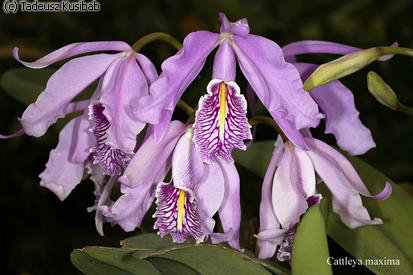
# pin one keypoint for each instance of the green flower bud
(381, 91)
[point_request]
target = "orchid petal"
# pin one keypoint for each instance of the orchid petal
(103, 200)
(210, 193)
(72, 50)
(316, 46)
(151, 157)
(18, 133)
(276, 82)
(230, 210)
(83, 141)
(129, 210)
(288, 202)
(62, 87)
(268, 221)
(224, 63)
(62, 175)
(123, 85)
(178, 72)
(342, 118)
(346, 200)
(148, 68)
(187, 169)
(303, 173)
(239, 27)
(341, 163)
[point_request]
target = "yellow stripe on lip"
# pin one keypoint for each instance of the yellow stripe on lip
(222, 109)
(181, 209)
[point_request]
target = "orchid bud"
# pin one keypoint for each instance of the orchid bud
(341, 67)
(381, 91)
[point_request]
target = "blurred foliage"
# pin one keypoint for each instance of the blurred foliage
(38, 231)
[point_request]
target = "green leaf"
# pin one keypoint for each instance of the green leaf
(171, 267)
(212, 259)
(107, 260)
(150, 241)
(391, 241)
(310, 248)
(150, 254)
(25, 85)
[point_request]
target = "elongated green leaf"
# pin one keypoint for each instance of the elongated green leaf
(104, 258)
(212, 259)
(182, 259)
(171, 267)
(310, 249)
(391, 241)
(150, 241)
(90, 265)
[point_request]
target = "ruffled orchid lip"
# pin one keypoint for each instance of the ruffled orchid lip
(177, 214)
(114, 160)
(221, 123)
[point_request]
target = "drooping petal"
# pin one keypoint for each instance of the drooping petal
(239, 27)
(210, 193)
(346, 200)
(276, 82)
(315, 46)
(342, 163)
(62, 87)
(62, 175)
(122, 87)
(151, 157)
(221, 123)
(103, 199)
(177, 214)
(178, 72)
(187, 166)
(84, 142)
(72, 50)
(270, 233)
(336, 102)
(230, 210)
(147, 67)
(224, 63)
(302, 173)
(130, 208)
(288, 202)
(18, 133)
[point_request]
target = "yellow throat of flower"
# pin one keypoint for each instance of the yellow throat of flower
(181, 209)
(222, 109)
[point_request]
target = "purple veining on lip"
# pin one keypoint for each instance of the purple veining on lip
(210, 139)
(114, 160)
(286, 247)
(167, 212)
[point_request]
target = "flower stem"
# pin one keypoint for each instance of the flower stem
(395, 50)
(405, 109)
(267, 121)
(138, 45)
(185, 107)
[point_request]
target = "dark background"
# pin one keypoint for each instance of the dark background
(38, 231)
